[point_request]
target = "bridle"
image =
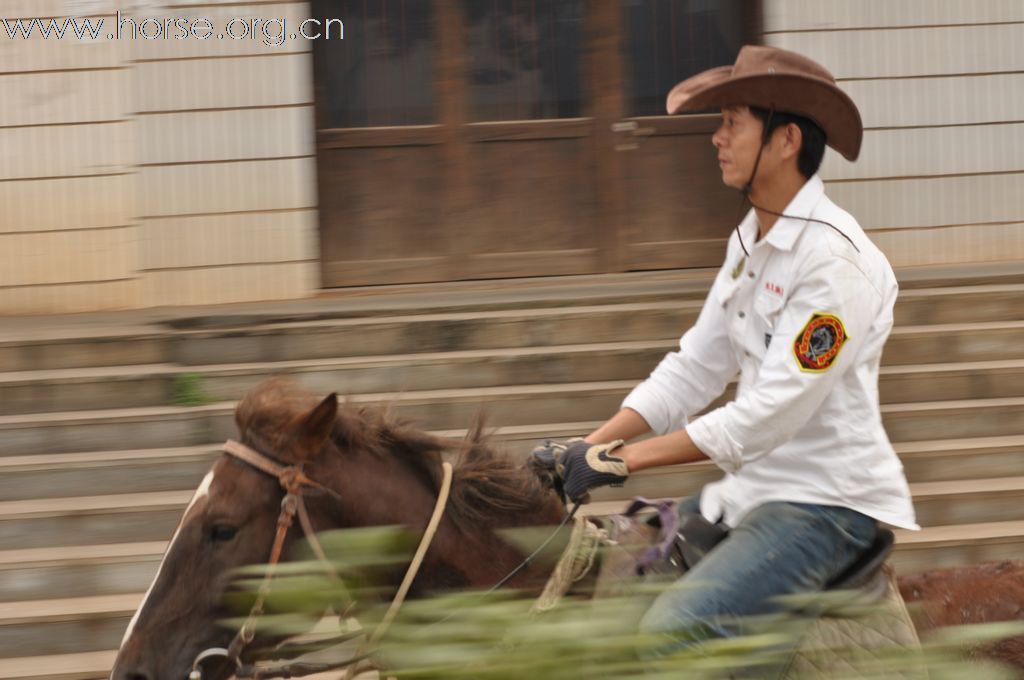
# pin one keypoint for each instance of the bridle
(293, 480)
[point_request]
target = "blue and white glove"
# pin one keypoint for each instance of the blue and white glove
(584, 466)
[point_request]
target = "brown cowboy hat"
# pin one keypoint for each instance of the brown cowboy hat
(772, 78)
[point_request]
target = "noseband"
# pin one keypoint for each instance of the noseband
(292, 479)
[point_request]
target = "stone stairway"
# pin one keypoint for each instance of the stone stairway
(96, 464)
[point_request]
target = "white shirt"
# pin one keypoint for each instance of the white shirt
(802, 321)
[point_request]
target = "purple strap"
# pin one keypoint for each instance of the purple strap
(669, 517)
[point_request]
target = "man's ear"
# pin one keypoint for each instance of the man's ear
(792, 140)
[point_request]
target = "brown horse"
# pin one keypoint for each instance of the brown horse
(383, 472)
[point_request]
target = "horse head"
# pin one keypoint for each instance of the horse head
(371, 469)
(229, 523)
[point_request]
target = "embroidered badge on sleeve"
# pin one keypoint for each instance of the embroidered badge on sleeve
(818, 344)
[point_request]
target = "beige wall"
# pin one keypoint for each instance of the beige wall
(147, 173)
(940, 84)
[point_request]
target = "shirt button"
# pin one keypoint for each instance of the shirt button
(743, 315)
(750, 274)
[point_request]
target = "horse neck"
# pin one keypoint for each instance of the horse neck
(467, 554)
(483, 555)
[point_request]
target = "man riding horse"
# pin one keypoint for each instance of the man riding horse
(800, 310)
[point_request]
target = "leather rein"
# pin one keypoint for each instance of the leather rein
(293, 480)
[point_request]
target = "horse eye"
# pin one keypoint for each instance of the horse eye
(222, 533)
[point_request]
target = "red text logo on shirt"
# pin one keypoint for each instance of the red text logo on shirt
(773, 288)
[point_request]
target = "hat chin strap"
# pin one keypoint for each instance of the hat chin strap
(749, 187)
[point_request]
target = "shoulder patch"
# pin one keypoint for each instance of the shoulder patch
(817, 346)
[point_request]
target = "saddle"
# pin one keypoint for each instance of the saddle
(677, 542)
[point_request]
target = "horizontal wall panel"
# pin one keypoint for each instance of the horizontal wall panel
(241, 20)
(932, 151)
(939, 101)
(228, 187)
(66, 150)
(226, 135)
(953, 245)
(802, 15)
(68, 203)
(217, 3)
(39, 54)
(930, 202)
(65, 299)
(222, 285)
(911, 52)
(47, 98)
(224, 83)
(230, 239)
(57, 8)
(46, 258)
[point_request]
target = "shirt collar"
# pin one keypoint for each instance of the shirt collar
(785, 231)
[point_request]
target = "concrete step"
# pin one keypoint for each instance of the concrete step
(411, 331)
(947, 343)
(972, 501)
(78, 570)
(937, 547)
(954, 459)
(155, 385)
(950, 546)
(516, 405)
(168, 469)
(657, 319)
(83, 666)
(960, 304)
(83, 625)
(159, 384)
(91, 520)
(317, 329)
(65, 626)
(943, 420)
(962, 380)
(151, 516)
(70, 571)
(100, 473)
(72, 474)
(936, 503)
(113, 429)
(80, 625)
(76, 346)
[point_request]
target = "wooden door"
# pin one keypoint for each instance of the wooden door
(468, 139)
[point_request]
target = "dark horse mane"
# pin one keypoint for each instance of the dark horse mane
(487, 485)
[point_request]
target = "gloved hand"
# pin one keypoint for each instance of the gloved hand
(544, 461)
(584, 466)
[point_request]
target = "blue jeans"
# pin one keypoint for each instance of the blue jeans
(778, 549)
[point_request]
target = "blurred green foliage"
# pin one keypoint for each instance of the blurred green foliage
(463, 635)
(187, 390)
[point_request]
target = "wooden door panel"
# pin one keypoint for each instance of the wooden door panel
(381, 220)
(530, 200)
(678, 211)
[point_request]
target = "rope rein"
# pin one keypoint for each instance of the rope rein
(292, 479)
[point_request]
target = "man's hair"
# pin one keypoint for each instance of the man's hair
(812, 150)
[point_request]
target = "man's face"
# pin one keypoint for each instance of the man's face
(738, 140)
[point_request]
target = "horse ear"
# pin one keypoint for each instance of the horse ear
(313, 428)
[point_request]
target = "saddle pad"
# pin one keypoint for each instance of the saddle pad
(856, 647)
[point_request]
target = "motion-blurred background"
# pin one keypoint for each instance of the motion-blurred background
(461, 203)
